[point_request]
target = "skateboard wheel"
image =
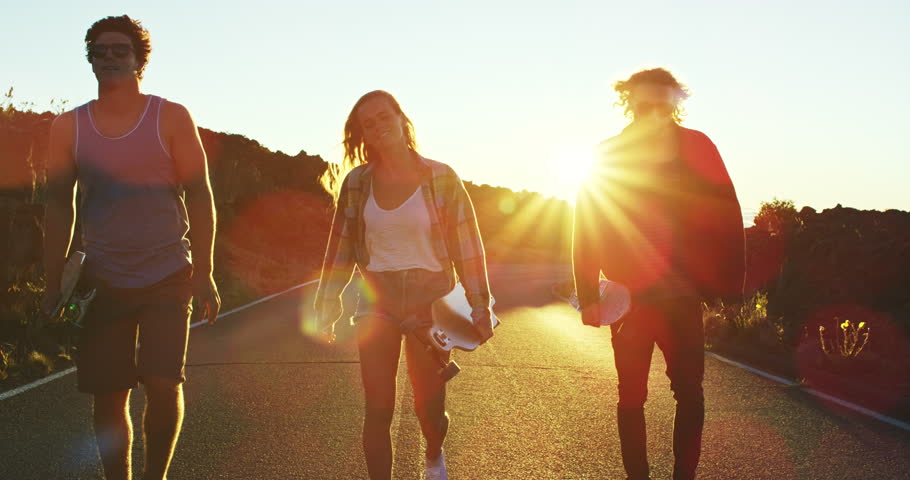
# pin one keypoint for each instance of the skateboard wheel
(449, 371)
(78, 313)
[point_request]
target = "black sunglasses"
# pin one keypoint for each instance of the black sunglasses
(644, 108)
(120, 50)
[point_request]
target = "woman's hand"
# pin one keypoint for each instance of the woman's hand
(326, 319)
(484, 326)
(327, 333)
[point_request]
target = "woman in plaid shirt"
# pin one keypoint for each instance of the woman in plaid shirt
(408, 224)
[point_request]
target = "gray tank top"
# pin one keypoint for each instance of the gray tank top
(134, 221)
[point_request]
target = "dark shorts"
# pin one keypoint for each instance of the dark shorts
(158, 316)
(402, 297)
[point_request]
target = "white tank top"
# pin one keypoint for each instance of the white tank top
(399, 239)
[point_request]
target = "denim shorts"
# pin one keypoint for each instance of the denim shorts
(403, 297)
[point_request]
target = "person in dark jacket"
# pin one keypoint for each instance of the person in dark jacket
(659, 215)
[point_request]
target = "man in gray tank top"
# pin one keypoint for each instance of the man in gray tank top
(141, 171)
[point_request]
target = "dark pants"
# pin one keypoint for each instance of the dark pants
(396, 305)
(675, 325)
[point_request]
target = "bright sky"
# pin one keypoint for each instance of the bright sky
(806, 100)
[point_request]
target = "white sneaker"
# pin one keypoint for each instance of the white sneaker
(436, 468)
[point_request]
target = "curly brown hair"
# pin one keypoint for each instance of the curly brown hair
(656, 76)
(356, 152)
(139, 37)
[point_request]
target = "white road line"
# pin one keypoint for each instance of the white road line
(50, 378)
(860, 409)
(256, 302)
(852, 406)
(36, 383)
(789, 383)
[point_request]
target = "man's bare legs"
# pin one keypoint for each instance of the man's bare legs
(161, 423)
(162, 420)
(113, 433)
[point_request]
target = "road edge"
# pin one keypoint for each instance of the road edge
(791, 383)
(54, 376)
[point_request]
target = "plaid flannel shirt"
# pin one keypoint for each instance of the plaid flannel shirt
(454, 235)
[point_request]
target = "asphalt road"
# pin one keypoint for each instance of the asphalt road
(264, 401)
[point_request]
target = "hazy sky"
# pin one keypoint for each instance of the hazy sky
(806, 100)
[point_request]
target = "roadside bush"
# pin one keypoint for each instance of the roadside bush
(6, 350)
(847, 341)
(777, 217)
(747, 321)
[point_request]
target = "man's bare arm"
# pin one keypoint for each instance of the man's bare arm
(192, 171)
(59, 212)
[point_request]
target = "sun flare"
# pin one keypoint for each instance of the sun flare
(570, 166)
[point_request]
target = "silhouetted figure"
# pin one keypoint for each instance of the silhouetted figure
(407, 223)
(659, 215)
(141, 170)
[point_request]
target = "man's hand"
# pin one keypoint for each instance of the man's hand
(590, 315)
(208, 302)
(46, 312)
(484, 327)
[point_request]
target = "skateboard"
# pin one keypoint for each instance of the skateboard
(615, 301)
(453, 328)
(72, 304)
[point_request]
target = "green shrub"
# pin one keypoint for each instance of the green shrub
(777, 217)
(36, 365)
(747, 320)
(6, 351)
(847, 341)
(741, 316)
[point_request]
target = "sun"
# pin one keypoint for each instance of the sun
(570, 165)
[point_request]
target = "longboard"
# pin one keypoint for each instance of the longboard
(615, 301)
(452, 328)
(72, 269)
(452, 324)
